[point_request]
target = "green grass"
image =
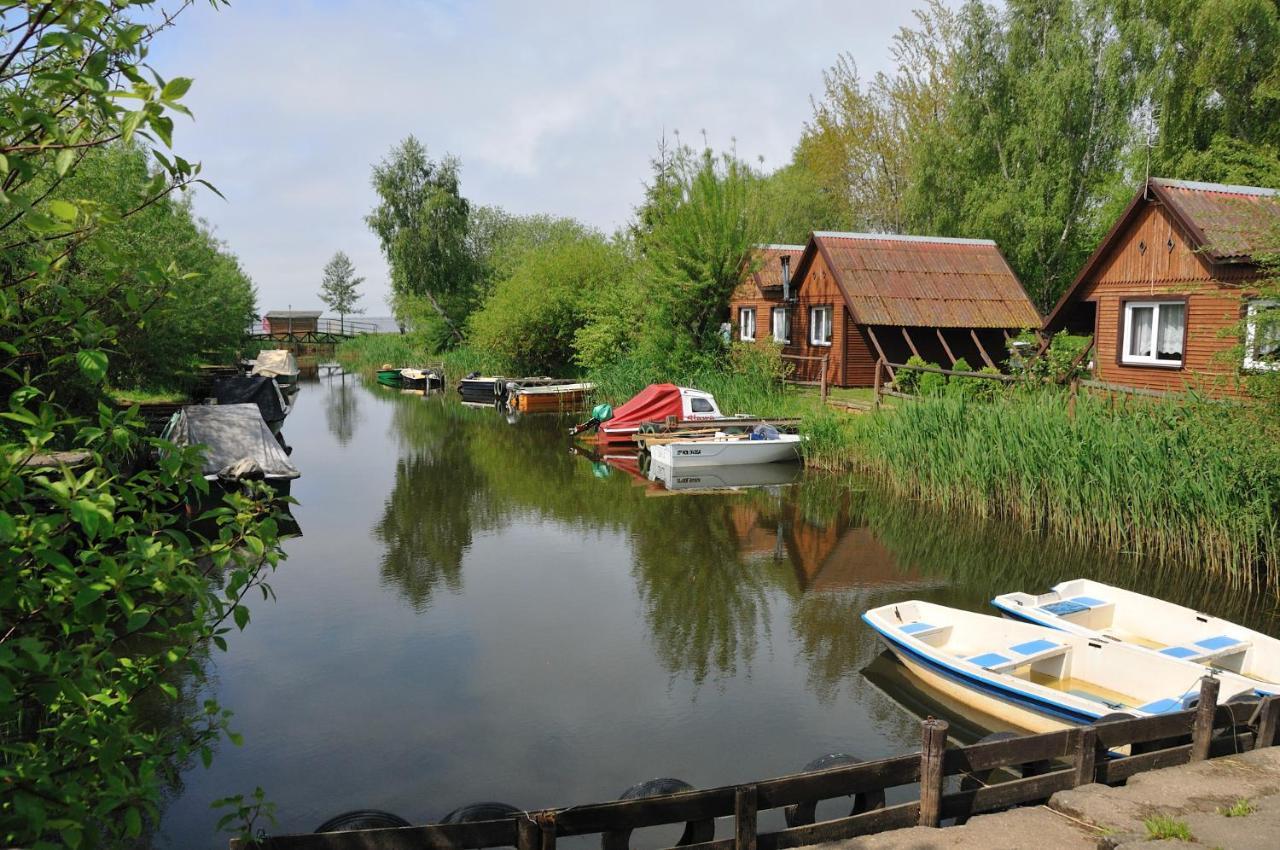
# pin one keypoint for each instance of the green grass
(1161, 827)
(147, 396)
(1239, 809)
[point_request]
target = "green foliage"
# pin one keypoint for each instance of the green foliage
(339, 287)
(908, 380)
(1241, 808)
(531, 319)
(1163, 827)
(931, 383)
(422, 221)
(794, 203)
(1063, 360)
(760, 361)
(109, 599)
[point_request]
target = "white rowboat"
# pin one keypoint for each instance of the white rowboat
(1036, 678)
(1103, 612)
(726, 450)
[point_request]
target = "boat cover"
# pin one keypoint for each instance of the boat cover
(237, 441)
(652, 404)
(259, 390)
(275, 362)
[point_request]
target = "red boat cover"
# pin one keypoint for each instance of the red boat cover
(652, 404)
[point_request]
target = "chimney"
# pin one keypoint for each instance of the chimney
(786, 277)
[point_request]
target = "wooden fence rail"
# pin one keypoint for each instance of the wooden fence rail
(1107, 752)
(821, 383)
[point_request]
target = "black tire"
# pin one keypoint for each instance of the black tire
(481, 812)
(802, 814)
(695, 831)
(362, 819)
(972, 781)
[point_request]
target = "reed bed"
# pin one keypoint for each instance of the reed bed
(1195, 482)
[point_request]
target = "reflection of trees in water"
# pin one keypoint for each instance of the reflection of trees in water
(341, 409)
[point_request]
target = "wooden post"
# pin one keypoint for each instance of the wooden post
(547, 825)
(879, 371)
(528, 835)
(1202, 732)
(931, 777)
(1084, 754)
(744, 818)
(1269, 718)
(822, 381)
(1073, 390)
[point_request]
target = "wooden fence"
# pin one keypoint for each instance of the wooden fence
(1048, 763)
(821, 383)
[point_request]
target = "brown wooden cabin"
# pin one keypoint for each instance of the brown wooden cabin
(1164, 293)
(860, 297)
(283, 323)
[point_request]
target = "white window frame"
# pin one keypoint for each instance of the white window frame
(1127, 359)
(744, 325)
(786, 324)
(813, 325)
(1250, 332)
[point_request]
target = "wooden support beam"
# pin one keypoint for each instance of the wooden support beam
(932, 776)
(1084, 754)
(744, 818)
(528, 835)
(1267, 721)
(910, 344)
(942, 339)
(871, 332)
(876, 385)
(981, 350)
(1206, 708)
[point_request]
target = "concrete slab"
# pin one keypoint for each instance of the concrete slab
(1018, 829)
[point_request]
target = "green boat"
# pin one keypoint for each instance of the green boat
(390, 377)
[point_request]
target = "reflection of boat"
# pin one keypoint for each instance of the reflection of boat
(548, 397)
(277, 363)
(1033, 677)
(727, 450)
(724, 477)
(1100, 611)
(915, 696)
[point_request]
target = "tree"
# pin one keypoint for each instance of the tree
(422, 221)
(339, 285)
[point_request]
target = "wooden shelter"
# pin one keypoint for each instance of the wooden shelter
(856, 298)
(283, 324)
(1164, 293)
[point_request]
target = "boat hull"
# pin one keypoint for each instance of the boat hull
(703, 453)
(390, 377)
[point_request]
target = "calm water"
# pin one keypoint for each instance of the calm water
(475, 613)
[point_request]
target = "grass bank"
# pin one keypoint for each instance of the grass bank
(1192, 481)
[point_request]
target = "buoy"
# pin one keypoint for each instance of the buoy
(480, 812)
(803, 814)
(362, 819)
(695, 831)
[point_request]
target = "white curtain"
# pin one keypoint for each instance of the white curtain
(1140, 326)
(1170, 332)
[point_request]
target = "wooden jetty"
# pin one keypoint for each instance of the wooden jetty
(1106, 752)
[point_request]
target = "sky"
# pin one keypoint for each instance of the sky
(552, 107)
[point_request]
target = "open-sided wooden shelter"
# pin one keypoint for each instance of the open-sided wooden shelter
(861, 297)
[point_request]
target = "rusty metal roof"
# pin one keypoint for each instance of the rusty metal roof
(921, 281)
(1231, 223)
(767, 260)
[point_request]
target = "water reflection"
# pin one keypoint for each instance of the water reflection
(341, 407)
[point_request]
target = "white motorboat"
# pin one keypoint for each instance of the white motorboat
(1033, 677)
(1103, 612)
(739, 477)
(726, 450)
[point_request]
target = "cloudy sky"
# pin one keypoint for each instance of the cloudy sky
(552, 106)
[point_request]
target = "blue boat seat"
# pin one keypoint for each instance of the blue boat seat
(1074, 605)
(1019, 654)
(1168, 704)
(921, 629)
(1207, 649)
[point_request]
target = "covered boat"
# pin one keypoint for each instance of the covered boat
(763, 445)
(655, 403)
(237, 444)
(1102, 612)
(259, 390)
(480, 389)
(1036, 678)
(276, 363)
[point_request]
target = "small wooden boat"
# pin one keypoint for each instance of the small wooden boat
(390, 377)
(277, 363)
(1036, 678)
(727, 450)
(550, 397)
(1102, 612)
(420, 379)
(481, 389)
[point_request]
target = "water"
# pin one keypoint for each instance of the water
(475, 613)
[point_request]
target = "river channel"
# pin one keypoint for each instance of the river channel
(473, 612)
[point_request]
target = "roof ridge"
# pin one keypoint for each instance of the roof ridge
(1224, 188)
(780, 247)
(902, 237)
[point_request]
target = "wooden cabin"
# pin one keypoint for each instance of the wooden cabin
(1163, 295)
(286, 323)
(861, 297)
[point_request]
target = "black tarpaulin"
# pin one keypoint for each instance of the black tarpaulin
(258, 390)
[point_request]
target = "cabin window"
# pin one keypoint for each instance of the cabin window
(747, 324)
(820, 325)
(1262, 335)
(781, 325)
(1154, 332)
(700, 405)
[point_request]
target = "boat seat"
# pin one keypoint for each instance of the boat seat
(1207, 649)
(1018, 655)
(921, 629)
(1074, 605)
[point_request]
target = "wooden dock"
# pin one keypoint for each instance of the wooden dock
(1107, 753)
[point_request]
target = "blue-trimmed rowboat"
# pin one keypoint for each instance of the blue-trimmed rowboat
(1032, 677)
(1102, 612)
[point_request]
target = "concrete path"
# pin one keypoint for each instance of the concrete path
(1177, 807)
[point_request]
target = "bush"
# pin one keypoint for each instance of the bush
(932, 383)
(908, 380)
(760, 360)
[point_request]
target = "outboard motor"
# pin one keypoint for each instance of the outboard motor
(600, 413)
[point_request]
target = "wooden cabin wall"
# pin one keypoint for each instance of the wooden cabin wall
(1169, 267)
(818, 289)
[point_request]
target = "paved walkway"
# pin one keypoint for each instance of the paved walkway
(1191, 801)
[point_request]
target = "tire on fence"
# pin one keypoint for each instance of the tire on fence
(1142, 747)
(481, 812)
(695, 831)
(362, 819)
(803, 814)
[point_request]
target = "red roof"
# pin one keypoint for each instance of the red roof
(924, 281)
(767, 261)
